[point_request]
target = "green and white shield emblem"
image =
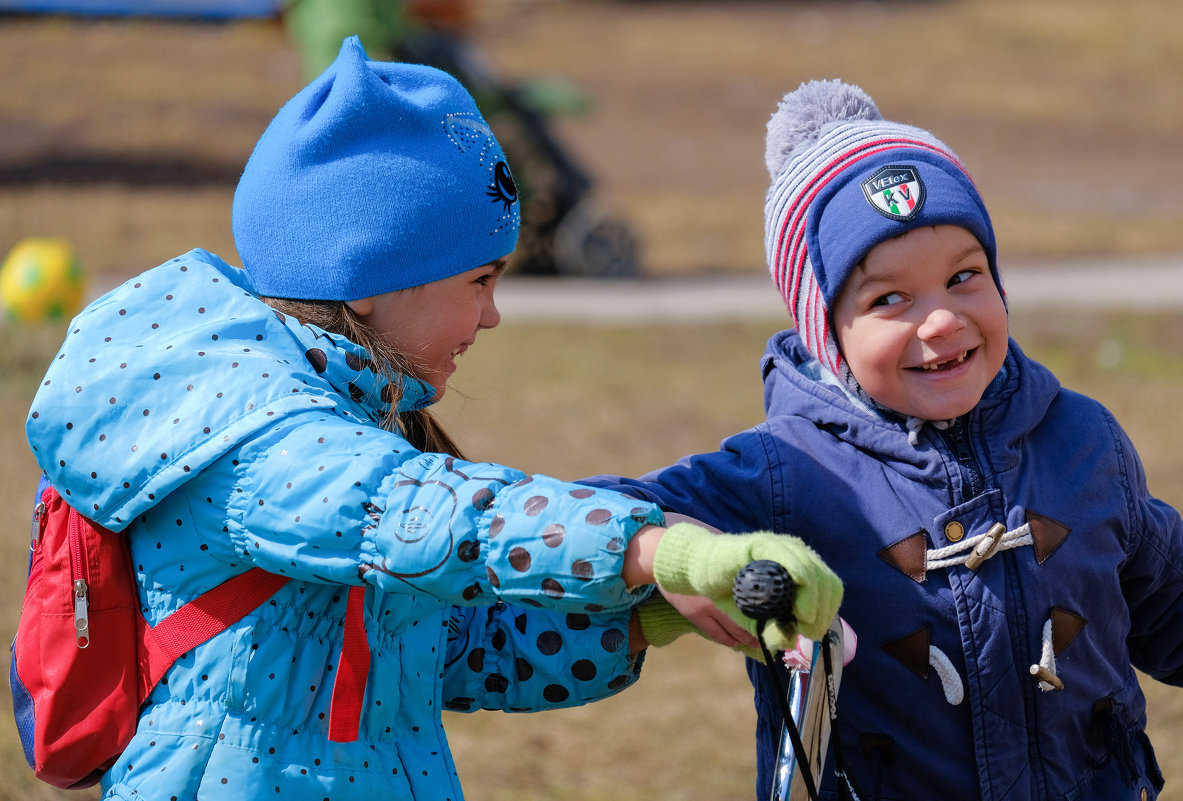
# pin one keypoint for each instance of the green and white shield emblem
(895, 191)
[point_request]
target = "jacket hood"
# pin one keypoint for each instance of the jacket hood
(794, 385)
(166, 373)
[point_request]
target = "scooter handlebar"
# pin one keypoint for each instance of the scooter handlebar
(764, 591)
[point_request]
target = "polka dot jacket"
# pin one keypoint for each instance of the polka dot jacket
(222, 436)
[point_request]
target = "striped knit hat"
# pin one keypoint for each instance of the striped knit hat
(844, 180)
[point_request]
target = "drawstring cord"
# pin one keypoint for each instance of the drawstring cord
(1045, 670)
(914, 424)
(950, 681)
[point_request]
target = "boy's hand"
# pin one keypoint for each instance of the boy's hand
(692, 560)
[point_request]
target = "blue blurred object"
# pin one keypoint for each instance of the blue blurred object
(220, 9)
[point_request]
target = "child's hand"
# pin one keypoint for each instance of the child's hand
(661, 623)
(691, 559)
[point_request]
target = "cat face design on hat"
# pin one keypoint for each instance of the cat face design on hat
(471, 134)
(377, 176)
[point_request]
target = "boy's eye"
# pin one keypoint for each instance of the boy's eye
(962, 276)
(887, 300)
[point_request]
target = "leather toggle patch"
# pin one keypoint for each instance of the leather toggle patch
(912, 650)
(1046, 535)
(1065, 626)
(909, 555)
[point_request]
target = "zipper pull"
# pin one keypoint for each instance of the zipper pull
(81, 603)
(35, 530)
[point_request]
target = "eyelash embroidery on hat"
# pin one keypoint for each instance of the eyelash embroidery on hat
(503, 188)
(465, 130)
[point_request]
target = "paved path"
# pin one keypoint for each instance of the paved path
(1148, 284)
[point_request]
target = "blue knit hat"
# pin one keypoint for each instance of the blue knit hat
(844, 180)
(375, 177)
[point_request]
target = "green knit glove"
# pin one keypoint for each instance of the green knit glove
(692, 560)
(661, 623)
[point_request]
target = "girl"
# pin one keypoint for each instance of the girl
(275, 417)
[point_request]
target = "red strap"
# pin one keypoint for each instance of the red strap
(353, 668)
(206, 615)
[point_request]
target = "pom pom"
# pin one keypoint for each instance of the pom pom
(802, 115)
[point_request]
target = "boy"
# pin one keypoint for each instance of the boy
(1004, 563)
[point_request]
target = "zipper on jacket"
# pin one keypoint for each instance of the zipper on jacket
(957, 437)
(80, 582)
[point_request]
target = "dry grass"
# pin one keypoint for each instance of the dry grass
(572, 400)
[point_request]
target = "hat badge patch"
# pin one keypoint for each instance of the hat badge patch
(895, 191)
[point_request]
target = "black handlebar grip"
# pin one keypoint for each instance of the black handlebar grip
(764, 590)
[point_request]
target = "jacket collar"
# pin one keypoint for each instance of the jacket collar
(794, 386)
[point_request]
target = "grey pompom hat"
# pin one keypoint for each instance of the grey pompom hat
(844, 180)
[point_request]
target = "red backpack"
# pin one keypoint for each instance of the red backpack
(84, 659)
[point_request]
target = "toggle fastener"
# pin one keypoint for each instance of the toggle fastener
(985, 547)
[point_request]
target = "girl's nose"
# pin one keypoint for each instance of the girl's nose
(490, 316)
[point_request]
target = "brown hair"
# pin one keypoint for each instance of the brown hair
(418, 426)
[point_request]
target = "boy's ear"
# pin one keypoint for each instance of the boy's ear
(362, 307)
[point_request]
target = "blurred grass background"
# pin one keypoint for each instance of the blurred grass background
(571, 400)
(1068, 113)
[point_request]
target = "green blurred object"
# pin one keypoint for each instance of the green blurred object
(556, 96)
(565, 230)
(317, 28)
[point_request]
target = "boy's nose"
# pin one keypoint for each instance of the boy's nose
(938, 322)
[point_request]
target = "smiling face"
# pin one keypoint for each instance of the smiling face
(921, 323)
(435, 323)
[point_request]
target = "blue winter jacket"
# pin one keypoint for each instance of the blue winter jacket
(940, 701)
(222, 436)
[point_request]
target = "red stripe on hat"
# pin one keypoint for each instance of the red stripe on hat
(793, 258)
(827, 172)
(805, 197)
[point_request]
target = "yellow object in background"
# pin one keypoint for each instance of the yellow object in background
(41, 280)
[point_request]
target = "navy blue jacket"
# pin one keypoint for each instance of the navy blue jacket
(940, 701)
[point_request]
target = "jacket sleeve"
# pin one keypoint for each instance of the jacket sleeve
(524, 660)
(323, 498)
(1152, 577)
(734, 489)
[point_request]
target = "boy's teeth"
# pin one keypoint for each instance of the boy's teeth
(935, 367)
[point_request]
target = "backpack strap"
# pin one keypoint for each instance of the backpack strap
(353, 669)
(215, 610)
(208, 614)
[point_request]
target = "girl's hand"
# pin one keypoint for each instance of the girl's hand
(712, 621)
